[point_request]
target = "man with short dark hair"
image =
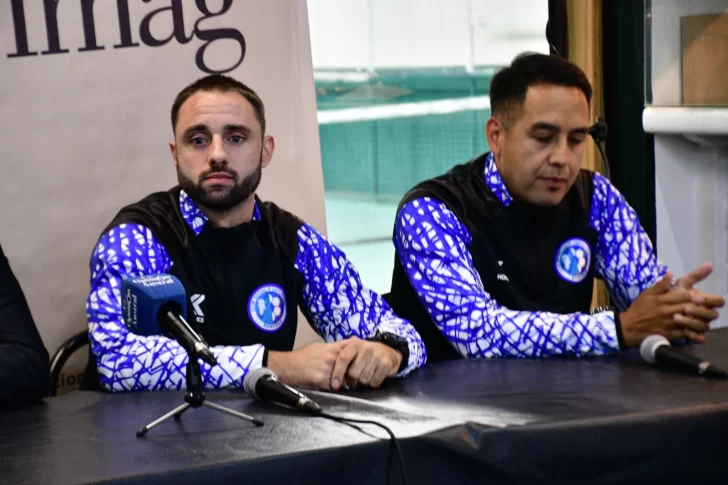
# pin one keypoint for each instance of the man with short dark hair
(497, 257)
(23, 358)
(246, 265)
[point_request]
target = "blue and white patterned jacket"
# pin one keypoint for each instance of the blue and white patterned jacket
(433, 247)
(334, 298)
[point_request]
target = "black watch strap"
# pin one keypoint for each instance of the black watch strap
(397, 343)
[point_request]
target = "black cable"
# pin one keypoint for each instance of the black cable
(607, 169)
(598, 131)
(389, 432)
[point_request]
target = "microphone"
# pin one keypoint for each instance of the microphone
(156, 304)
(657, 350)
(263, 384)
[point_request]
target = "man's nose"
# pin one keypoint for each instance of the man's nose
(561, 153)
(216, 154)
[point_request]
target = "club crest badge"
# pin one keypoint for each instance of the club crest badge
(267, 307)
(573, 259)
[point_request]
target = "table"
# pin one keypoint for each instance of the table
(601, 420)
(598, 420)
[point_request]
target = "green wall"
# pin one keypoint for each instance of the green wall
(384, 158)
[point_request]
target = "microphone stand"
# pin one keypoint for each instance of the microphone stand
(195, 398)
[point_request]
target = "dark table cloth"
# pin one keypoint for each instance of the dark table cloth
(599, 420)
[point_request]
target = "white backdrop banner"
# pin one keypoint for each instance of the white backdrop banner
(85, 100)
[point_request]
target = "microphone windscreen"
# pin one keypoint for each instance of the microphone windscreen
(650, 345)
(252, 378)
(144, 297)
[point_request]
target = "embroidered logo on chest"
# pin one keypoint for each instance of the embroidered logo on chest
(572, 260)
(197, 300)
(267, 307)
(502, 276)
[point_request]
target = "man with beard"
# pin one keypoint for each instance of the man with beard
(246, 265)
(497, 257)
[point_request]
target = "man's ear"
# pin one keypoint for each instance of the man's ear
(173, 151)
(269, 145)
(494, 131)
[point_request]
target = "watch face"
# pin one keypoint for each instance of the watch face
(391, 339)
(401, 343)
(396, 342)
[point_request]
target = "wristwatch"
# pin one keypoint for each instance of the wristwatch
(397, 343)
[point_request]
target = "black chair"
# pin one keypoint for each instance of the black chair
(64, 352)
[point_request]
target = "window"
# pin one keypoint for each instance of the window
(402, 96)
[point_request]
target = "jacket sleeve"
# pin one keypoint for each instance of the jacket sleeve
(625, 257)
(128, 362)
(340, 306)
(24, 368)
